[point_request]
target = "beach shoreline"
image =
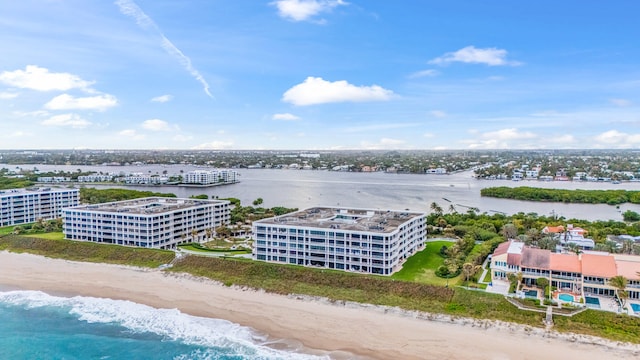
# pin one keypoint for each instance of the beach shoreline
(341, 329)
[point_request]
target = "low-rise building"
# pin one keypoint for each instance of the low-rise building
(21, 206)
(208, 177)
(368, 241)
(153, 222)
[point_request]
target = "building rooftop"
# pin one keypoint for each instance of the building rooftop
(32, 190)
(565, 262)
(345, 219)
(150, 205)
(598, 265)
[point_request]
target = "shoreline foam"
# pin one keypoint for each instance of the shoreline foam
(340, 328)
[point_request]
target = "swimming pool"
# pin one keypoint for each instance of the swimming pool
(566, 297)
(531, 293)
(592, 302)
(635, 307)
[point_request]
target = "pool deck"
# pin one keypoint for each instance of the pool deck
(630, 309)
(607, 303)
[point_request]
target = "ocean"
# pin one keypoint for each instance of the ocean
(36, 325)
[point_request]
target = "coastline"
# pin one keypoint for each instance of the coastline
(340, 328)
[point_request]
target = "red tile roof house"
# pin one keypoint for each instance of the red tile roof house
(586, 274)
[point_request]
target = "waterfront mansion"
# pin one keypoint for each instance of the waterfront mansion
(154, 222)
(21, 206)
(360, 240)
(579, 277)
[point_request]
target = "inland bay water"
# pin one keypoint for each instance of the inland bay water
(307, 188)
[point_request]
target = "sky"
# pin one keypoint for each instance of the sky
(319, 74)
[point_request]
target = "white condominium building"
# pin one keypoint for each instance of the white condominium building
(367, 241)
(153, 222)
(21, 206)
(207, 177)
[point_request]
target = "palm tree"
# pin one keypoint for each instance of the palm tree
(469, 269)
(573, 247)
(194, 235)
(452, 209)
(436, 208)
(620, 283)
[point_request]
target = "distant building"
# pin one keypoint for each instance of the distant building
(368, 241)
(572, 235)
(153, 222)
(208, 177)
(439, 171)
(95, 178)
(21, 206)
(53, 179)
(145, 179)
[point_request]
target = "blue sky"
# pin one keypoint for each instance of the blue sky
(319, 74)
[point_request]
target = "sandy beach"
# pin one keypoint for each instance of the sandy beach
(371, 332)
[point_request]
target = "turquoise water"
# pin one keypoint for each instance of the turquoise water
(566, 297)
(635, 307)
(531, 293)
(35, 325)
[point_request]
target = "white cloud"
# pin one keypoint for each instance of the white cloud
(319, 91)
(285, 117)
(214, 145)
(182, 138)
(424, 73)
(162, 98)
(156, 125)
(502, 139)
(36, 78)
(129, 8)
(37, 113)
(438, 114)
(616, 139)
(67, 120)
(67, 102)
(127, 132)
(509, 134)
(473, 55)
(428, 135)
(301, 10)
(16, 134)
(620, 102)
(8, 95)
(131, 133)
(383, 144)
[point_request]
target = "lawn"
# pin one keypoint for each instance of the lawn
(47, 236)
(6, 230)
(422, 266)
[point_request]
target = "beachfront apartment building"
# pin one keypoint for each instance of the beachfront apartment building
(360, 240)
(209, 177)
(578, 276)
(22, 206)
(153, 222)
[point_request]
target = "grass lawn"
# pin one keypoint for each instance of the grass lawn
(6, 230)
(422, 266)
(487, 277)
(48, 236)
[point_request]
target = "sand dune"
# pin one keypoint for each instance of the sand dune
(368, 331)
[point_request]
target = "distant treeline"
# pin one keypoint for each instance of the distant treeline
(611, 197)
(95, 196)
